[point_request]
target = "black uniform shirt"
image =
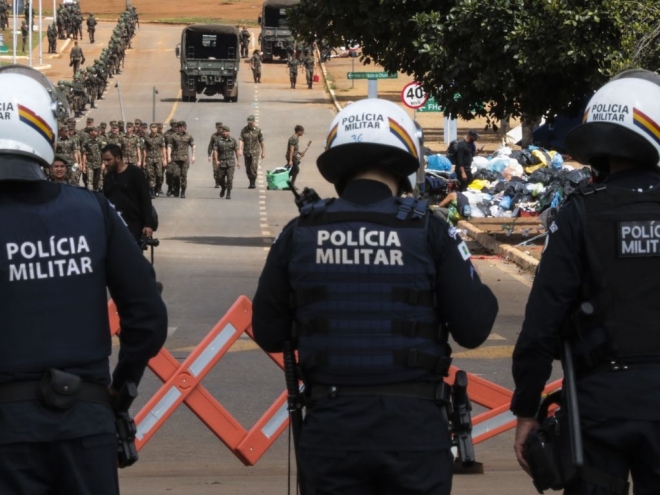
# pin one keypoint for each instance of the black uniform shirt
(129, 193)
(132, 285)
(379, 423)
(626, 395)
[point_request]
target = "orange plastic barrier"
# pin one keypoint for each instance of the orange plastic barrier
(182, 384)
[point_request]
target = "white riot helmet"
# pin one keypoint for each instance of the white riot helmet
(29, 107)
(621, 121)
(371, 133)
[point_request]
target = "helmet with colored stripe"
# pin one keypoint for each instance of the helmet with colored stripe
(29, 108)
(622, 121)
(367, 134)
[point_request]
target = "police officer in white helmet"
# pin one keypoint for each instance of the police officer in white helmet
(601, 270)
(61, 248)
(370, 286)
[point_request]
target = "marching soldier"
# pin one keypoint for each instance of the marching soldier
(114, 137)
(169, 171)
(292, 64)
(252, 146)
(245, 42)
(76, 57)
(255, 65)
(91, 27)
(156, 159)
(308, 63)
(214, 137)
(225, 154)
(92, 164)
(130, 147)
(178, 153)
(68, 148)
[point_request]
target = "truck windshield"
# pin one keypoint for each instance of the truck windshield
(210, 46)
(275, 18)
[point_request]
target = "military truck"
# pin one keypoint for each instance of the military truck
(210, 59)
(275, 37)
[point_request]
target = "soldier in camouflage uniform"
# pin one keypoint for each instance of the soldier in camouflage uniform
(156, 159)
(130, 147)
(292, 64)
(102, 127)
(114, 137)
(92, 163)
(174, 126)
(252, 146)
(177, 150)
(255, 65)
(68, 148)
(214, 137)
(308, 63)
(225, 155)
(52, 38)
(293, 153)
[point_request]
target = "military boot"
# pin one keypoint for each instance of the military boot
(252, 185)
(222, 192)
(228, 193)
(152, 193)
(183, 193)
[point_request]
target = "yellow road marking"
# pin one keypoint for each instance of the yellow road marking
(488, 352)
(176, 104)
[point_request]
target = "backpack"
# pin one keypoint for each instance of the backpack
(452, 151)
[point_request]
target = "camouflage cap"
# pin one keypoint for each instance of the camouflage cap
(144, 125)
(251, 118)
(71, 120)
(174, 122)
(138, 121)
(103, 125)
(113, 123)
(129, 125)
(160, 125)
(90, 120)
(182, 123)
(218, 124)
(225, 128)
(61, 158)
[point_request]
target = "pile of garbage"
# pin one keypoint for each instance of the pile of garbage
(514, 183)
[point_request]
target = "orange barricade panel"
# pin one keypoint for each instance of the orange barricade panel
(182, 383)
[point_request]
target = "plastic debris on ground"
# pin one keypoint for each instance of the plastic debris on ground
(511, 183)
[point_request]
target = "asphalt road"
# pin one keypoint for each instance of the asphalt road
(212, 250)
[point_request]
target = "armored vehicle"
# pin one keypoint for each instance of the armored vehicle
(210, 59)
(275, 37)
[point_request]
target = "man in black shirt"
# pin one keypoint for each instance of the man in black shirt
(126, 188)
(354, 281)
(465, 152)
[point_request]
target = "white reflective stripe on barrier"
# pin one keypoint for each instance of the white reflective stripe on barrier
(164, 405)
(281, 416)
(212, 350)
(493, 423)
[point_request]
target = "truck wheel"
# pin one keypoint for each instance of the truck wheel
(234, 99)
(184, 98)
(192, 97)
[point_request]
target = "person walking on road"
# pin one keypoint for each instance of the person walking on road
(214, 137)
(156, 159)
(245, 42)
(293, 153)
(308, 63)
(252, 147)
(292, 65)
(64, 248)
(371, 325)
(177, 150)
(76, 57)
(52, 38)
(255, 65)
(599, 270)
(25, 31)
(226, 158)
(91, 27)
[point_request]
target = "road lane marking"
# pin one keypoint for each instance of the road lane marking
(487, 352)
(495, 336)
(176, 104)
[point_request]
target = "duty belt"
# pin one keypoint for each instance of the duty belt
(23, 391)
(435, 391)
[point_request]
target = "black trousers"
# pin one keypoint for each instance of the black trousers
(82, 466)
(294, 171)
(622, 448)
(376, 473)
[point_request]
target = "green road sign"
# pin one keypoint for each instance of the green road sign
(371, 75)
(431, 106)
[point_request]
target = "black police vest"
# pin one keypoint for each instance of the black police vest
(623, 256)
(52, 283)
(363, 283)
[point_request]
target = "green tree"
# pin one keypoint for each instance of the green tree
(523, 58)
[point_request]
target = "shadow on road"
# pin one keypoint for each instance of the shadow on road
(227, 241)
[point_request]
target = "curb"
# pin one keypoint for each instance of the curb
(507, 251)
(327, 83)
